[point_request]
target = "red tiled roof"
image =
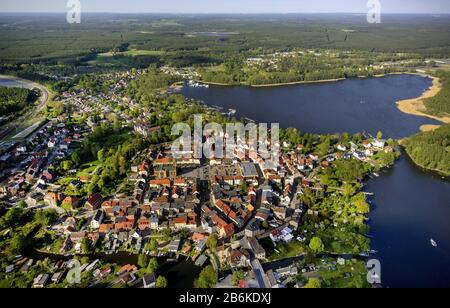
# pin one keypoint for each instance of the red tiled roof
(70, 200)
(180, 220)
(179, 181)
(162, 182)
(163, 161)
(196, 237)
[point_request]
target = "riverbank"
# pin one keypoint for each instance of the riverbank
(416, 106)
(273, 85)
(436, 171)
(428, 150)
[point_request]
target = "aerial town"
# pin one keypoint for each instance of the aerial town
(231, 213)
(224, 152)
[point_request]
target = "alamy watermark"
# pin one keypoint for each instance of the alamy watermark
(374, 13)
(374, 271)
(237, 140)
(74, 13)
(74, 274)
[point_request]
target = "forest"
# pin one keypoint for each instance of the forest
(439, 104)
(307, 66)
(16, 99)
(431, 150)
(49, 39)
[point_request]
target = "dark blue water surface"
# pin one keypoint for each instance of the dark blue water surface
(6, 82)
(352, 106)
(410, 206)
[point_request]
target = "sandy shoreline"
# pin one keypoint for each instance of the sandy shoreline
(416, 106)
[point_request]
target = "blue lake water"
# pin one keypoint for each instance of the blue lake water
(410, 206)
(5, 82)
(352, 106)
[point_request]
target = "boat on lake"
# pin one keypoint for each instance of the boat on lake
(433, 243)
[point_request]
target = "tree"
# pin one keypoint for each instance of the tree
(152, 245)
(325, 179)
(211, 242)
(313, 283)
(265, 225)
(19, 243)
(324, 147)
(45, 218)
(184, 234)
(12, 217)
(161, 282)
(122, 165)
(379, 135)
(237, 277)
(22, 204)
(362, 206)
(75, 158)
(152, 265)
(66, 165)
(316, 245)
(167, 234)
(85, 245)
(57, 109)
(207, 279)
(243, 187)
(142, 261)
(348, 190)
(101, 155)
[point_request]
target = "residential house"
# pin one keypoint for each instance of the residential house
(70, 202)
(52, 198)
(258, 250)
(239, 258)
(94, 202)
(97, 219)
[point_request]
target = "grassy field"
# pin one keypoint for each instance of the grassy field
(350, 275)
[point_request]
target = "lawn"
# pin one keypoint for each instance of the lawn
(355, 270)
(119, 58)
(287, 250)
(89, 167)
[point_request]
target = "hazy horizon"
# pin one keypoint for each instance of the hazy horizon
(230, 7)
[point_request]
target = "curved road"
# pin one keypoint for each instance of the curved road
(17, 125)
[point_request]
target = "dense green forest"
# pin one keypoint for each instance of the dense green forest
(187, 39)
(440, 103)
(309, 65)
(431, 150)
(16, 99)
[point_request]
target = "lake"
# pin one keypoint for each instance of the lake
(353, 105)
(410, 206)
(7, 82)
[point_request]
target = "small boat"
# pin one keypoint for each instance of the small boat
(376, 174)
(433, 243)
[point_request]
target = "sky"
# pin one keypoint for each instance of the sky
(228, 6)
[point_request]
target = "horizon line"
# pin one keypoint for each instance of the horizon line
(223, 13)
